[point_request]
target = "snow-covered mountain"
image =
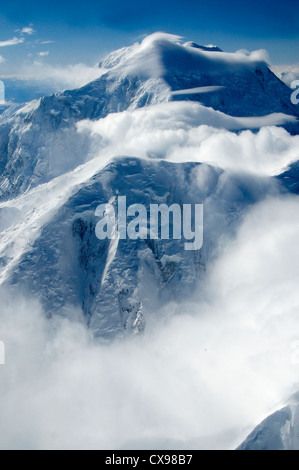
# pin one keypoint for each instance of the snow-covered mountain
(40, 141)
(118, 284)
(58, 170)
(165, 123)
(279, 431)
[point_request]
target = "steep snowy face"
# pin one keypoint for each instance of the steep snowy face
(119, 283)
(279, 431)
(40, 141)
(149, 104)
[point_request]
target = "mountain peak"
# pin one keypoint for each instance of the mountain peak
(162, 54)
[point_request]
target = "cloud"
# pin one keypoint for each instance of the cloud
(12, 42)
(187, 131)
(27, 30)
(43, 54)
(243, 51)
(192, 91)
(287, 73)
(260, 55)
(61, 77)
(47, 42)
(18, 40)
(2, 59)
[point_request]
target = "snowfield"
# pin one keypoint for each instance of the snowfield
(141, 344)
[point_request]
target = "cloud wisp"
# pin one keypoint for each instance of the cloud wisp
(27, 30)
(12, 42)
(62, 77)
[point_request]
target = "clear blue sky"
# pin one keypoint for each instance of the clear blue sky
(83, 31)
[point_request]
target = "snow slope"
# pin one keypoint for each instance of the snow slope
(279, 431)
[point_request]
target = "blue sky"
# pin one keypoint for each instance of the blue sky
(85, 31)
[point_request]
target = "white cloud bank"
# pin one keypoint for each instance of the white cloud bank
(212, 367)
(186, 131)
